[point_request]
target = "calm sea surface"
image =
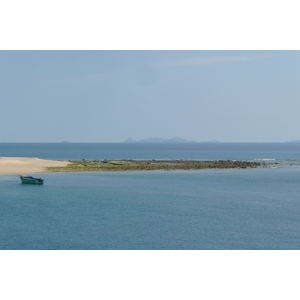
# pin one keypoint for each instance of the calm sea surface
(206, 209)
(202, 151)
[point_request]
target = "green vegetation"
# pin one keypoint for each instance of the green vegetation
(141, 165)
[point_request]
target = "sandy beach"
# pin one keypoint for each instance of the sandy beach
(27, 165)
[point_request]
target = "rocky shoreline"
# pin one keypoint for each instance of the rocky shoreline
(135, 165)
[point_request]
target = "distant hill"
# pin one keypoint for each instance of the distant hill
(298, 141)
(130, 140)
(159, 140)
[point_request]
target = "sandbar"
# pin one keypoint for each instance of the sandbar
(25, 165)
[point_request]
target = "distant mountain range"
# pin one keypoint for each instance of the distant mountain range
(159, 140)
(293, 141)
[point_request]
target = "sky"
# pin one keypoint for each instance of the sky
(109, 96)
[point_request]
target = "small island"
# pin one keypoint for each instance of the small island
(144, 165)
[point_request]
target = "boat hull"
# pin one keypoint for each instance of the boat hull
(31, 180)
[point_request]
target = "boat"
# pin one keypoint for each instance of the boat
(30, 179)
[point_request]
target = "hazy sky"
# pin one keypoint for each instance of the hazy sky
(109, 96)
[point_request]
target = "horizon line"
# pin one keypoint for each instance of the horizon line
(137, 142)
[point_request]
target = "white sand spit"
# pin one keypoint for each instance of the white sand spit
(25, 165)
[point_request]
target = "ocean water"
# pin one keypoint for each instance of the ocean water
(154, 210)
(201, 151)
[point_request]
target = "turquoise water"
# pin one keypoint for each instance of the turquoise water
(206, 209)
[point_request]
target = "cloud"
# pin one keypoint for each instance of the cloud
(207, 60)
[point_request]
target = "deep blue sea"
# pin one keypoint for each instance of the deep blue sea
(206, 209)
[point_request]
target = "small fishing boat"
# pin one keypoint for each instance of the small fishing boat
(30, 179)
